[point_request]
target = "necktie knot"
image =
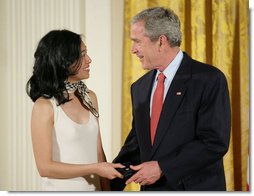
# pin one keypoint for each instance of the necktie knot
(161, 78)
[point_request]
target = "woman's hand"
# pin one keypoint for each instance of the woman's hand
(107, 170)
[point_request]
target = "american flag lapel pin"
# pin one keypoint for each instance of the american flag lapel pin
(178, 93)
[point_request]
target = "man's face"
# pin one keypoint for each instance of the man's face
(146, 50)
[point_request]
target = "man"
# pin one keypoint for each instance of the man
(181, 113)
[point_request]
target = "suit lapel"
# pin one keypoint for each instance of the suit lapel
(144, 113)
(172, 101)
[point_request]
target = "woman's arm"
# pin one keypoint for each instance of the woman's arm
(105, 185)
(41, 127)
(102, 158)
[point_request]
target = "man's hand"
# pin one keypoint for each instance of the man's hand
(147, 173)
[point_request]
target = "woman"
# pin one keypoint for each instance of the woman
(65, 130)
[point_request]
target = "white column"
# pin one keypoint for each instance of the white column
(26, 22)
(23, 23)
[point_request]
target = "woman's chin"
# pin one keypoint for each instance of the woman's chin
(87, 76)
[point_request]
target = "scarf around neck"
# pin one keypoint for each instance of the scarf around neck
(82, 92)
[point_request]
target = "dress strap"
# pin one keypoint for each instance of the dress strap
(55, 108)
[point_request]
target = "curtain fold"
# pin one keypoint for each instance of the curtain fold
(215, 32)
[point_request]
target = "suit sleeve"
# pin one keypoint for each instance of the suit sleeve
(128, 153)
(212, 135)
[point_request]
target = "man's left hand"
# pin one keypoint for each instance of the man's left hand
(147, 173)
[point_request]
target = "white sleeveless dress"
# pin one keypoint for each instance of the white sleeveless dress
(76, 144)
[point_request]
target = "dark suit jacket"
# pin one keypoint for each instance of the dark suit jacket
(193, 132)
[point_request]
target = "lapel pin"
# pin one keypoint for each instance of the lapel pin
(178, 93)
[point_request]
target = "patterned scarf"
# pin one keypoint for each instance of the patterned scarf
(82, 91)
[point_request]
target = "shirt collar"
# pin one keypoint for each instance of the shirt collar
(172, 67)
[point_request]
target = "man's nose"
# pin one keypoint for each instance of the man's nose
(133, 49)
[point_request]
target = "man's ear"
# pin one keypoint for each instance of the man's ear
(162, 40)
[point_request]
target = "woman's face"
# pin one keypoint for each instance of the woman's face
(83, 71)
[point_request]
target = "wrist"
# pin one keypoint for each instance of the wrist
(159, 168)
(94, 168)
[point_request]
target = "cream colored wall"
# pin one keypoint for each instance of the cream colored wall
(3, 106)
(104, 41)
(117, 18)
(23, 23)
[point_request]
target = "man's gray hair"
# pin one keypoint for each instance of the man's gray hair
(160, 21)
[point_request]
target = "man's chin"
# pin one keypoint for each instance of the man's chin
(146, 67)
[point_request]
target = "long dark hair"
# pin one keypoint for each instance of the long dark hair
(55, 56)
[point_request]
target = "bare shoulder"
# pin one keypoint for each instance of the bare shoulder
(93, 98)
(92, 94)
(43, 106)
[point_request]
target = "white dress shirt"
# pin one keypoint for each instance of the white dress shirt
(169, 73)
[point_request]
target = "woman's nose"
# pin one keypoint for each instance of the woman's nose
(89, 60)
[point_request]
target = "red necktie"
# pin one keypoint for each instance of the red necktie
(157, 105)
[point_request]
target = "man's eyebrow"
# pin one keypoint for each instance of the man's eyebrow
(83, 51)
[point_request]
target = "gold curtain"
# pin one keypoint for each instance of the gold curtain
(215, 32)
